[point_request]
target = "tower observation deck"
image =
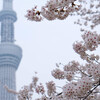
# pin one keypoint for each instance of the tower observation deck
(10, 53)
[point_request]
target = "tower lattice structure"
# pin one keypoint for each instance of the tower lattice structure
(10, 53)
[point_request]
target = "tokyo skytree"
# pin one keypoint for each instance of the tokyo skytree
(10, 53)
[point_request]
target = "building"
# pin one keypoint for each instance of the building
(10, 53)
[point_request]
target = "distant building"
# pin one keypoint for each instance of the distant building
(10, 53)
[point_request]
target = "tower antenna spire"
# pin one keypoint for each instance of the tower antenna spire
(7, 18)
(7, 4)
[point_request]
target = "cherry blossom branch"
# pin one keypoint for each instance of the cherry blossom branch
(57, 95)
(90, 92)
(93, 59)
(10, 90)
(82, 72)
(54, 9)
(96, 92)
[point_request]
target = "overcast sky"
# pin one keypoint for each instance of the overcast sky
(43, 43)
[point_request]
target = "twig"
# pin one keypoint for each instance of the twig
(91, 91)
(82, 72)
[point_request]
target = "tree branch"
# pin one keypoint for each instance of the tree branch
(91, 91)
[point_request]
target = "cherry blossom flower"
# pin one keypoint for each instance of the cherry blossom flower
(35, 80)
(58, 74)
(71, 66)
(51, 87)
(40, 89)
(91, 40)
(94, 70)
(68, 91)
(33, 14)
(83, 86)
(54, 9)
(81, 49)
(89, 13)
(69, 75)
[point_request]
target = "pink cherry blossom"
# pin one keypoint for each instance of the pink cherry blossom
(51, 87)
(58, 74)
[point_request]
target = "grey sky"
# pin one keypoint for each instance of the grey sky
(44, 43)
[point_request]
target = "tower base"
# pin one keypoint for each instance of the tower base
(10, 56)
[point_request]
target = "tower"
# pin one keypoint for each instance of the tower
(10, 53)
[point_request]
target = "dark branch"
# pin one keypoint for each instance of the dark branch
(91, 91)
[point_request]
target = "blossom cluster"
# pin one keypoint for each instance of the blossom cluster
(33, 14)
(77, 89)
(57, 74)
(51, 88)
(89, 13)
(94, 71)
(67, 72)
(90, 42)
(91, 39)
(54, 9)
